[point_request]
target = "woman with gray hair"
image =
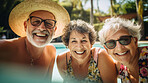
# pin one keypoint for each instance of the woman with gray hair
(82, 63)
(120, 39)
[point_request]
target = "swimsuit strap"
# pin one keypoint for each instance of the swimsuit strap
(97, 55)
(66, 62)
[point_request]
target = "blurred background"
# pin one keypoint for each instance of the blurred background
(91, 11)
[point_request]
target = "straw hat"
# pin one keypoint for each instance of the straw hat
(21, 12)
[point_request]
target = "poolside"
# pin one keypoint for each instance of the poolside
(60, 47)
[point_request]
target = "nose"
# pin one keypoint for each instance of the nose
(42, 26)
(79, 45)
(119, 46)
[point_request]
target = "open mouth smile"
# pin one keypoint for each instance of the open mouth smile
(80, 53)
(121, 54)
(40, 34)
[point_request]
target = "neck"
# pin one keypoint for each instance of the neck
(33, 52)
(81, 62)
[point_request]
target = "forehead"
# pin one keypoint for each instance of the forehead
(43, 14)
(116, 34)
(75, 34)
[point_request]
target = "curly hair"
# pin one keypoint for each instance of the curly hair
(81, 27)
(117, 23)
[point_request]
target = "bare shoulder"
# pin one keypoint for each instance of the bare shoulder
(106, 66)
(9, 44)
(104, 55)
(62, 62)
(61, 58)
(50, 50)
(7, 41)
(50, 47)
(9, 48)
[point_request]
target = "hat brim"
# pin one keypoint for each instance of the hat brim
(21, 12)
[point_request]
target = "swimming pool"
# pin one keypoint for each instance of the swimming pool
(60, 47)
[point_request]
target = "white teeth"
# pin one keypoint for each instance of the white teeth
(122, 53)
(38, 34)
(79, 52)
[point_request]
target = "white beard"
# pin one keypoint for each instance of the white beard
(31, 40)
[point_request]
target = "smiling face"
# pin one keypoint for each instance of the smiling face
(39, 36)
(79, 45)
(122, 53)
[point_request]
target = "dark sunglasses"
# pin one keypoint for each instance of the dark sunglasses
(37, 21)
(124, 40)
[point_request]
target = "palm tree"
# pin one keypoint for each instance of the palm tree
(139, 7)
(91, 13)
(112, 11)
(98, 10)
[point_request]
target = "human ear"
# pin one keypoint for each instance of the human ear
(136, 41)
(55, 29)
(25, 25)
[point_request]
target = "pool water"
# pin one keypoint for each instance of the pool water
(60, 47)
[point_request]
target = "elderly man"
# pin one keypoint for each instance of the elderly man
(37, 22)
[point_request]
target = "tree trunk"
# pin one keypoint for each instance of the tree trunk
(139, 7)
(112, 11)
(91, 13)
(98, 6)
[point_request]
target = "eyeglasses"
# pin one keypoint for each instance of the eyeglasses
(37, 21)
(124, 40)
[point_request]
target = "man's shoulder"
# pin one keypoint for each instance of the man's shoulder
(50, 50)
(9, 47)
(50, 46)
(6, 42)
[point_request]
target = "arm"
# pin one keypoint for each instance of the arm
(51, 51)
(107, 67)
(61, 64)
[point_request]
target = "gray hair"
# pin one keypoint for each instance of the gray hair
(81, 27)
(117, 23)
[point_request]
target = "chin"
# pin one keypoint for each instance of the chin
(38, 45)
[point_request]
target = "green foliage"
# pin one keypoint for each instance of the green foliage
(68, 6)
(124, 7)
(6, 7)
(2, 30)
(98, 26)
(145, 4)
(129, 7)
(80, 14)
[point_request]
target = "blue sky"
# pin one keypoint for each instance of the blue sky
(103, 5)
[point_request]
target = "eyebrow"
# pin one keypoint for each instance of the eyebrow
(82, 38)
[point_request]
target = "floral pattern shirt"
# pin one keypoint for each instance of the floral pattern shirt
(143, 68)
(92, 77)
